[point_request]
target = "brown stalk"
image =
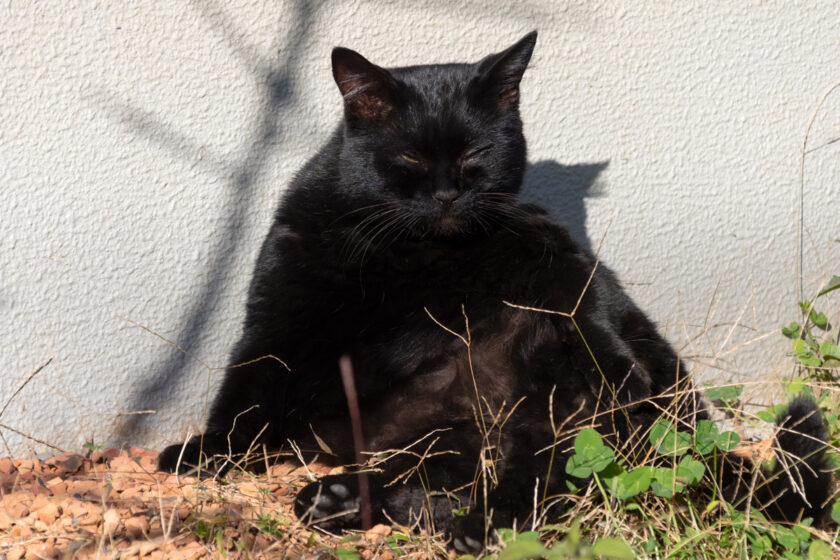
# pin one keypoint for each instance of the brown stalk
(346, 368)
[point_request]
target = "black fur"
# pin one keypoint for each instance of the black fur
(405, 222)
(799, 484)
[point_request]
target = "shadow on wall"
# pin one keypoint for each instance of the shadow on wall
(278, 95)
(562, 190)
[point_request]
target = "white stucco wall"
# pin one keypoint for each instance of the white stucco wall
(143, 147)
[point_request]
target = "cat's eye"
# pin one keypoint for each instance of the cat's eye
(410, 159)
(468, 163)
(470, 154)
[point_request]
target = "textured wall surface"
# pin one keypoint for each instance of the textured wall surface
(143, 147)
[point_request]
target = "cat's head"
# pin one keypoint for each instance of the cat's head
(435, 150)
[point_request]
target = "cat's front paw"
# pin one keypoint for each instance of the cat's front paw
(197, 454)
(331, 502)
(469, 535)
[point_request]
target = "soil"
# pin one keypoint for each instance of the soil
(113, 504)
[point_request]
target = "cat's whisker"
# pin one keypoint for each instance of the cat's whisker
(500, 194)
(401, 219)
(483, 221)
(372, 218)
(406, 229)
(388, 224)
(361, 209)
(501, 215)
(359, 235)
(507, 208)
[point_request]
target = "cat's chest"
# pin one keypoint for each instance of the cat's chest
(449, 280)
(443, 341)
(419, 306)
(429, 369)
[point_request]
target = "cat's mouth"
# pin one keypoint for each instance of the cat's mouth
(449, 223)
(452, 225)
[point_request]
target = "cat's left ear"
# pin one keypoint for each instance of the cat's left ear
(369, 91)
(498, 75)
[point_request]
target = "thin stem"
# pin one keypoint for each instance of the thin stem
(346, 368)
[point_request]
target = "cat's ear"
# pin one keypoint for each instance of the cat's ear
(498, 75)
(369, 91)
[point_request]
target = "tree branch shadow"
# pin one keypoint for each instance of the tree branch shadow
(279, 93)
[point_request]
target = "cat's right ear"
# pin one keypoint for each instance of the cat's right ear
(498, 75)
(369, 91)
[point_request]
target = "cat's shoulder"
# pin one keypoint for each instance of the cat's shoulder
(535, 223)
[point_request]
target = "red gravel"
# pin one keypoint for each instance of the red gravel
(114, 504)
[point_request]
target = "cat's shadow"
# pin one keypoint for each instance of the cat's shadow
(562, 190)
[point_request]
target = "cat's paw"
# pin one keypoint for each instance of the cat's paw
(467, 534)
(197, 454)
(331, 502)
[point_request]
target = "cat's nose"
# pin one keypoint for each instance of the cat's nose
(446, 196)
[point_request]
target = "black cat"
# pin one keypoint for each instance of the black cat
(401, 245)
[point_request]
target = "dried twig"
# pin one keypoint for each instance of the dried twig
(346, 368)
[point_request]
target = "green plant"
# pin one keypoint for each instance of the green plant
(521, 546)
(813, 347)
(818, 356)
(91, 446)
(210, 531)
(271, 524)
(593, 457)
(657, 496)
